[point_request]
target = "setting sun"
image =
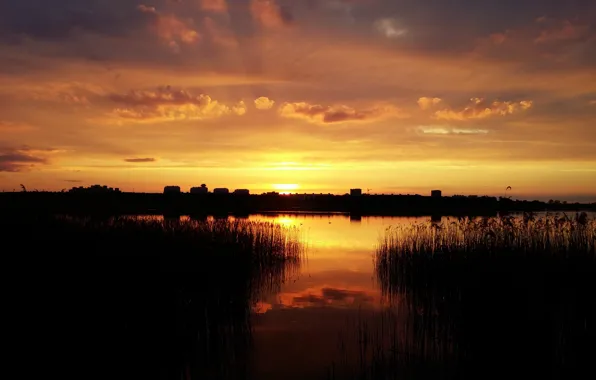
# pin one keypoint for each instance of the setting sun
(286, 186)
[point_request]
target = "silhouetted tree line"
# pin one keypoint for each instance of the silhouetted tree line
(103, 199)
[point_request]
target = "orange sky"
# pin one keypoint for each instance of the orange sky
(395, 96)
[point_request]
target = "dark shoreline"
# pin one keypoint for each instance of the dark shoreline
(243, 205)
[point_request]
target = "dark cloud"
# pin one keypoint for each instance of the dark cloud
(140, 160)
(59, 19)
(465, 19)
(17, 161)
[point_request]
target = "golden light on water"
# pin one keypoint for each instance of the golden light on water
(285, 221)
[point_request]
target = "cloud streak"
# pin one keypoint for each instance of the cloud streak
(140, 160)
(337, 114)
(479, 108)
(19, 160)
(166, 103)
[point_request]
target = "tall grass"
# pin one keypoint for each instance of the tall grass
(145, 297)
(508, 293)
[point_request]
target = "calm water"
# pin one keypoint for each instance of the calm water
(299, 330)
(296, 331)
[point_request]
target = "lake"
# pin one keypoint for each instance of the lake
(326, 296)
(298, 332)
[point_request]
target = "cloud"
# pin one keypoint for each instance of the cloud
(269, 14)
(427, 103)
(239, 109)
(73, 180)
(165, 103)
(12, 127)
(440, 130)
(218, 34)
(592, 102)
(336, 114)
(219, 6)
(479, 108)
(140, 160)
(264, 103)
(73, 93)
(170, 28)
(23, 20)
(390, 28)
(557, 31)
(19, 160)
(547, 43)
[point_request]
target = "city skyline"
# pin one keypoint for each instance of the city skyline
(322, 95)
(293, 189)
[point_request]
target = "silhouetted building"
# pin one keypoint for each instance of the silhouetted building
(241, 192)
(171, 190)
(221, 190)
(436, 194)
(355, 192)
(95, 189)
(200, 190)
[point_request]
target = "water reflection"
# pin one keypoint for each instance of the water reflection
(296, 330)
(337, 313)
(342, 318)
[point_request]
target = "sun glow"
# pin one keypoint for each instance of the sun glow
(286, 186)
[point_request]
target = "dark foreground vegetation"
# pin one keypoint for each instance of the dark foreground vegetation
(210, 204)
(139, 297)
(484, 298)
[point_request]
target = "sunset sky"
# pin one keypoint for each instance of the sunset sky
(399, 96)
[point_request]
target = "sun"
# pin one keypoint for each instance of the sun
(286, 186)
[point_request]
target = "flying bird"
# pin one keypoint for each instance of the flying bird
(508, 188)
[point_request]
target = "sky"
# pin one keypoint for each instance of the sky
(395, 96)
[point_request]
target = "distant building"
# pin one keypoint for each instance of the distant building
(355, 192)
(242, 192)
(436, 194)
(199, 190)
(95, 189)
(221, 190)
(171, 190)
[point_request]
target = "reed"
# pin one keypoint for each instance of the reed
(508, 293)
(146, 297)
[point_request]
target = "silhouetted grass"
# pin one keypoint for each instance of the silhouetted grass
(142, 297)
(507, 294)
